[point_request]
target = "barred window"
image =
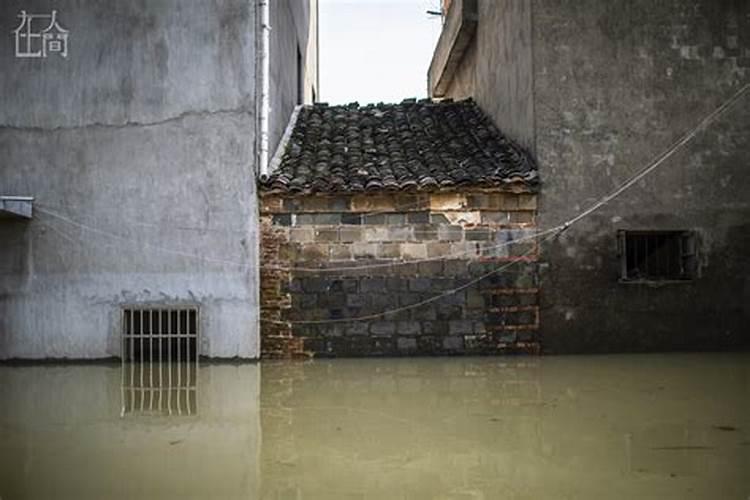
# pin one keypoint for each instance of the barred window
(657, 255)
(160, 360)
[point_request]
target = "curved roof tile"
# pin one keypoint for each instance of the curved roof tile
(422, 145)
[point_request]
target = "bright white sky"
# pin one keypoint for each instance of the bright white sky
(375, 50)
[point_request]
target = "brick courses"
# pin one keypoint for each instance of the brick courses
(457, 230)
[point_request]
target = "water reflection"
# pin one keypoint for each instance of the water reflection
(62, 436)
(159, 388)
(654, 426)
(572, 427)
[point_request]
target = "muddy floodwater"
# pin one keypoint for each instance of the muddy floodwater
(673, 426)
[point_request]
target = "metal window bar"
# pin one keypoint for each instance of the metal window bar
(656, 255)
(160, 360)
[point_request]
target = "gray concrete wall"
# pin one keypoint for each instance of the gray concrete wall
(596, 90)
(293, 27)
(503, 73)
(497, 68)
(615, 83)
(139, 149)
(462, 85)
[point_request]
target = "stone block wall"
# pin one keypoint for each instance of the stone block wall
(398, 274)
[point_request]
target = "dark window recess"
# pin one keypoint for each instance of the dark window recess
(300, 78)
(163, 335)
(657, 255)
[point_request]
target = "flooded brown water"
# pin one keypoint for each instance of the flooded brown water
(671, 426)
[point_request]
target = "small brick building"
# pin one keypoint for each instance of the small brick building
(379, 222)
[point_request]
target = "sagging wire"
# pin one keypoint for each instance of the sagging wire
(416, 305)
(379, 265)
(53, 211)
(554, 231)
(101, 232)
(560, 228)
(655, 163)
(661, 158)
(419, 205)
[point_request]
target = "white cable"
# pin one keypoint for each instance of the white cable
(404, 308)
(297, 269)
(606, 199)
(139, 243)
(662, 157)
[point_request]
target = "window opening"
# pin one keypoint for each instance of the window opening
(160, 360)
(657, 255)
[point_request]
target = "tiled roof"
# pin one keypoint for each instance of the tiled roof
(413, 145)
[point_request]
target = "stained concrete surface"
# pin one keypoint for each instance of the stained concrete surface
(616, 84)
(139, 149)
(597, 91)
(293, 32)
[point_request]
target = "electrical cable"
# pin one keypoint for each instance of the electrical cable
(435, 298)
(558, 229)
(562, 227)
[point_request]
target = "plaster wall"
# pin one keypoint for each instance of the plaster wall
(139, 150)
(503, 74)
(597, 90)
(294, 27)
(496, 69)
(615, 83)
(462, 85)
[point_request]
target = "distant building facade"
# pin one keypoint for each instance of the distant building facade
(595, 91)
(140, 150)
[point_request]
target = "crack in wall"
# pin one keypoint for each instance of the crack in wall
(237, 112)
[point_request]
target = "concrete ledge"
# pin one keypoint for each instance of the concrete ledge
(458, 31)
(16, 207)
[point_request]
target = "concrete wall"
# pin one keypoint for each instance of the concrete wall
(596, 90)
(615, 84)
(496, 69)
(503, 77)
(139, 149)
(465, 234)
(294, 27)
(463, 84)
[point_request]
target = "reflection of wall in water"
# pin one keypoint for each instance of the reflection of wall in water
(421, 423)
(160, 360)
(160, 388)
(66, 426)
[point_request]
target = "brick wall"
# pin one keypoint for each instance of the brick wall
(423, 245)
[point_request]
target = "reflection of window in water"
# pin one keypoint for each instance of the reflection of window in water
(160, 361)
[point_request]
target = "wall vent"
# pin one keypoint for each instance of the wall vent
(160, 360)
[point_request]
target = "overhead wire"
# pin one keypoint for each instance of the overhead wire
(546, 234)
(397, 310)
(485, 249)
(687, 137)
(661, 158)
